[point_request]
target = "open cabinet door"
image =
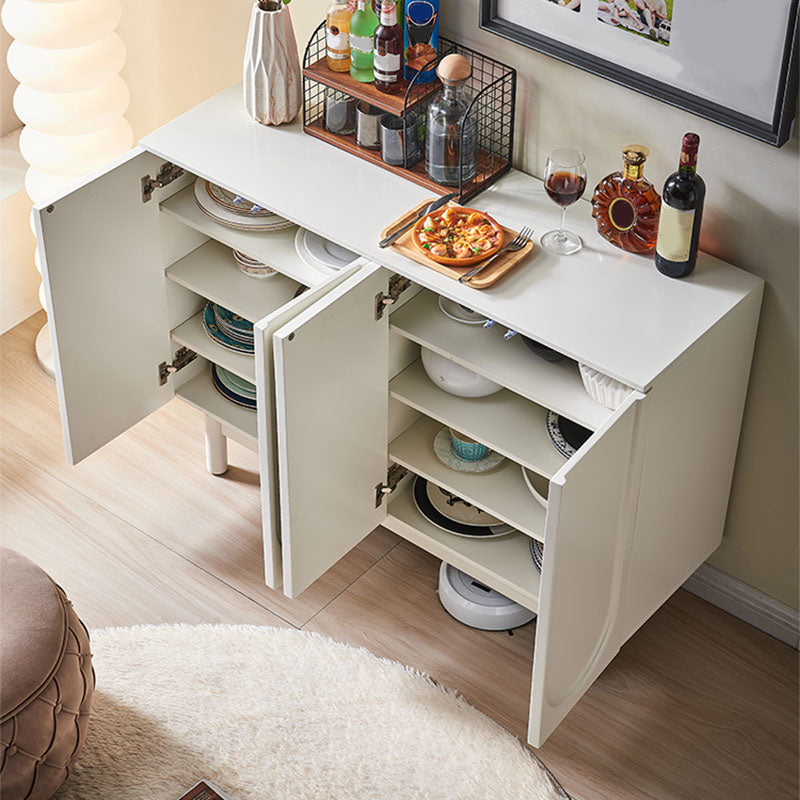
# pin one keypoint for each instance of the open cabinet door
(267, 434)
(590, 515)
(103, 275)
(332, 390)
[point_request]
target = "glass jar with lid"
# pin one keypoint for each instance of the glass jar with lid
(452, 127)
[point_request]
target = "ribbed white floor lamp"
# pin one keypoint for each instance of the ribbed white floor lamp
(71, 99)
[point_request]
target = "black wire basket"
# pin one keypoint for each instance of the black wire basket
(492, 86)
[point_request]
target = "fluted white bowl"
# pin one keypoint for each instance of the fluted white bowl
(454, 378)
(607, 391)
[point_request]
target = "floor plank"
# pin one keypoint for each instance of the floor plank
(113, 573)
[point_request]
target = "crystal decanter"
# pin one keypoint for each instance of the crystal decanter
(627, 206)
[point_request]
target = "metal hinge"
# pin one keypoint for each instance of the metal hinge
(397, 285)
(183, 356)
(394, 475)
(168, 173)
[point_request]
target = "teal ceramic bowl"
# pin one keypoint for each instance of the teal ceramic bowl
(467, 448)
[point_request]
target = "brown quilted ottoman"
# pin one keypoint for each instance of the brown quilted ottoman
(46, 681)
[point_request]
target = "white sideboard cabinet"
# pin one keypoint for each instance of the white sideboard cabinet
(346, 414)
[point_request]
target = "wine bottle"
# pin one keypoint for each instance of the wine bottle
(362, 30)
(681, 214)
(388, 64)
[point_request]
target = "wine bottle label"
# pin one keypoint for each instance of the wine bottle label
(361, 43)
(674, 233)
(387, 66)
(337, 42)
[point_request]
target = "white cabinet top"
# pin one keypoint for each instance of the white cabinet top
(611, 310)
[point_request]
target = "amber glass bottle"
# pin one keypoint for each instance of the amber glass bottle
(626, 205)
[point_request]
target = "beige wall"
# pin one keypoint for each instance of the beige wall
(750, 219)
(184, 51)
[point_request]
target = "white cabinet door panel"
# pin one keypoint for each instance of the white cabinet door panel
(331, 365)
(267, 435)
(590, 516)
(104, 283)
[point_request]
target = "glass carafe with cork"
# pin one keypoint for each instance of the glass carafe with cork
(626, 205)
(452, 130)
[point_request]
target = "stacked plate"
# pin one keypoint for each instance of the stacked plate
(460, 313)
(251, 267)
(454, 515)
(537, 554)
(228, 329)
(565, 435)
(321, 254)
(233, 388)
(233, 211)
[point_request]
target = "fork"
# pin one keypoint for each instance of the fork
(517, 243)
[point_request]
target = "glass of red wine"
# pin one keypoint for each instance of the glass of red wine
(564, 181)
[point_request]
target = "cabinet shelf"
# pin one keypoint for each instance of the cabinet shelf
(395, 104)
(504, 421)
(502, 492)
(275, 248)
(200, 393)
(488, 167)
(193, 335)
(504, 564)
(555, 386)
(211, 272)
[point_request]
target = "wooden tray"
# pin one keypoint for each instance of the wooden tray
(501, 266)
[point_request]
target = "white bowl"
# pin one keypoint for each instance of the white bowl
(537, 485)
(607, 391)
(454, 378)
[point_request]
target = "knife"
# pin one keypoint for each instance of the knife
(427, 210)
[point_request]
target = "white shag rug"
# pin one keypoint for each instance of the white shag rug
(268, 713)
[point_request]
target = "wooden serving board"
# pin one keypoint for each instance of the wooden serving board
(500, 267)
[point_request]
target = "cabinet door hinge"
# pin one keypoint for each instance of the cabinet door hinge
(183, 356)
(397, 285)
(168, 173)
(394, 475)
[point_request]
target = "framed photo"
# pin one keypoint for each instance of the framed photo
(731, 61)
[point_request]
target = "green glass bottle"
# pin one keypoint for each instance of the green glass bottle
(362, 30)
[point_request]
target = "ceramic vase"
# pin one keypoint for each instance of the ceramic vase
(272, 90)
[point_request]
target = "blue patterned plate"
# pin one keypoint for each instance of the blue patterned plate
(236, 384)
(232, 397)
(229, 321)
(214, 332)
(443, 447)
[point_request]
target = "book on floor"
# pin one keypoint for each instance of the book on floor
(205, 791)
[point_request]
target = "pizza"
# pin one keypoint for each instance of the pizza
(457, 236)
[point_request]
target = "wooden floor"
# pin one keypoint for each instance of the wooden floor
(698, 705)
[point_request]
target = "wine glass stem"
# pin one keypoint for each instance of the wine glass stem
(561, 233)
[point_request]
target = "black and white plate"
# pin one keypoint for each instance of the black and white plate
(567, 436)
(537, 554)
(449, 512)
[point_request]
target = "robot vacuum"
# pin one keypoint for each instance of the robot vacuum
(471, 602)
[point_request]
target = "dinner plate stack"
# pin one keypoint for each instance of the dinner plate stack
(234, 389)
(455, 515)
(251, 267)
(322, 255)
(233, 211)
(228, 329)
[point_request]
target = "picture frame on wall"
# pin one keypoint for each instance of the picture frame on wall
(733, 62)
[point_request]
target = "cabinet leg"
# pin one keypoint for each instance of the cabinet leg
(216, 447)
